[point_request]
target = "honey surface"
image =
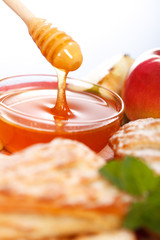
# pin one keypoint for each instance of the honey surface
(39, 103)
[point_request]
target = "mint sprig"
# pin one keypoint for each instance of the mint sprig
(133, 176)
(145, 214)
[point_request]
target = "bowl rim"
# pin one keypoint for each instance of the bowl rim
(89, 122)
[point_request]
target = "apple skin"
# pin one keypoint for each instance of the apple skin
(141, 91)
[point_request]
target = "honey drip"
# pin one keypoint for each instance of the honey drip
(61, 109)
(63, 53)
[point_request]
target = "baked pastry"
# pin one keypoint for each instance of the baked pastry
(54, 190)
(113, 235)
(139, 138)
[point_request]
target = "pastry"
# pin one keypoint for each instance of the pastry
(113, 235)
(54, 190)
(140, 138)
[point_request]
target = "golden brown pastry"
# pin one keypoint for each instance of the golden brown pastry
(54, 190)
(139, 138)
(120, 234)
(113, 235)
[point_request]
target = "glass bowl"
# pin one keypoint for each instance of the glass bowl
(21, 124)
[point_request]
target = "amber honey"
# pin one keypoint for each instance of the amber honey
(26, 112)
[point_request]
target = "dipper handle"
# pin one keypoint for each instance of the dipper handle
(57, 47)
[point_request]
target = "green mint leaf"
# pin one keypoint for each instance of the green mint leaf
(151, 212)
(112, 171)
(134, 218)
(136, 178)
(130, 175)
(145, 214)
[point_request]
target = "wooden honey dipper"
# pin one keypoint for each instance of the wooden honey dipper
(57, 47)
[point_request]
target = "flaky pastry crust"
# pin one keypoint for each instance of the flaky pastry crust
(55, 190)
(113, 235)
(139, 138)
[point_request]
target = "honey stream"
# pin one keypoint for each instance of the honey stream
(63, 53)
(61, 110)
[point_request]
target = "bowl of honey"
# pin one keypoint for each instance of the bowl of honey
(28, 116)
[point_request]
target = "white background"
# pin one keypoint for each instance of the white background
(103, 28)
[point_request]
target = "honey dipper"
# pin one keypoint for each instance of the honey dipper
(57, 47)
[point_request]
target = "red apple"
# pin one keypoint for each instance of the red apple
(141, 92)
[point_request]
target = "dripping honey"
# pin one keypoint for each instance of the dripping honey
(26, 114)
(61, 109)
